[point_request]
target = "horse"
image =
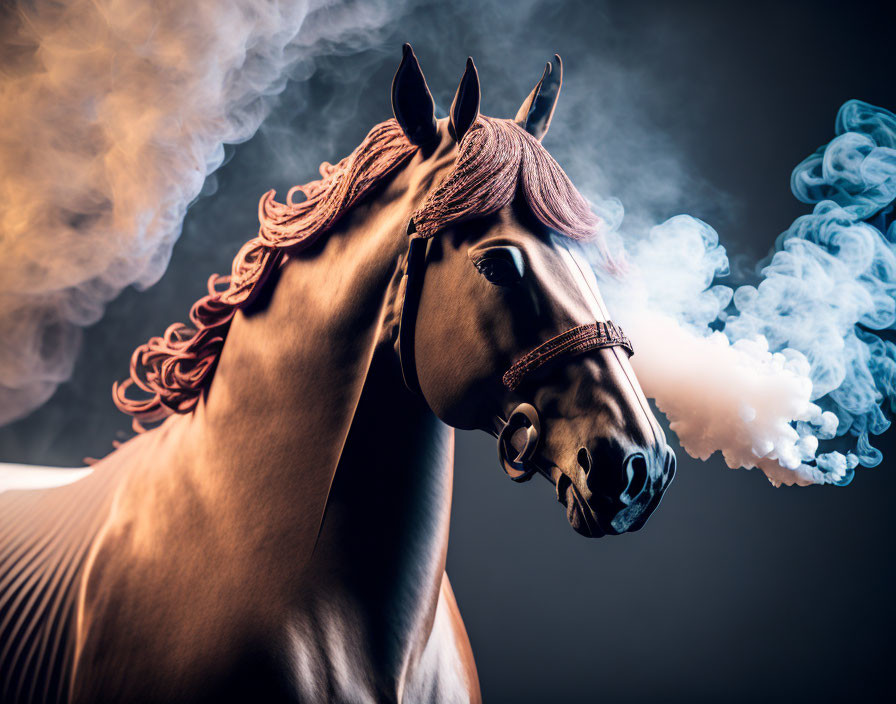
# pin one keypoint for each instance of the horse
(276, 530)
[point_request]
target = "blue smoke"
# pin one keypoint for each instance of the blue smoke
(829, 290)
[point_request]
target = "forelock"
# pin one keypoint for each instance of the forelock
(496, 159)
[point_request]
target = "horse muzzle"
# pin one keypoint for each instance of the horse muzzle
(613, 502)
(607, 497)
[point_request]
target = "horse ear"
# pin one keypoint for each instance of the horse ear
(465, 107)
(412, 102)
(537, 110)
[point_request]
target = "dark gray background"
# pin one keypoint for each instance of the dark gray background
(735, 591)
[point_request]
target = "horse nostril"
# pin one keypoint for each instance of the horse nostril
(584, 459)
(636, 471)
(670, 467)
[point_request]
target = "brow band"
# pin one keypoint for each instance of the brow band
(584, 338)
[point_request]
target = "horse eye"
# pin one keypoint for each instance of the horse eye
(501, 266)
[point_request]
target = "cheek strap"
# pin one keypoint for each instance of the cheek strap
(410, 287)
(578, 340)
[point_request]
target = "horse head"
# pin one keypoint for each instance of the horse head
(503, 328)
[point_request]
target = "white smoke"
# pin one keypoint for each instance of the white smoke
(797, 362)
(113, 113)
(738, 398)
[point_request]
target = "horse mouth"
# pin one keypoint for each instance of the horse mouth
(578, 513)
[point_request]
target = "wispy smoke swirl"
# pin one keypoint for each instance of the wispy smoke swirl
(113, 113)
(766, 372)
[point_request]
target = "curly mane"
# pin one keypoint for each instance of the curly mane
(496, 160)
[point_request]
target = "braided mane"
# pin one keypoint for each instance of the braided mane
(496, 160)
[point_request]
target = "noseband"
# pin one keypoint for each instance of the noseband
(578, 340)
(517, 436)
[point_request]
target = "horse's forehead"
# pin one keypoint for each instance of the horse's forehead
(560, 276)
(567, 281)
(424, 173)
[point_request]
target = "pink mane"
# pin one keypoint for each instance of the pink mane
(496, 159)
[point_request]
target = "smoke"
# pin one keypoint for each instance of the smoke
(114, 112)
(764, 373)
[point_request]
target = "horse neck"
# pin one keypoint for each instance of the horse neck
(374, 581)
(282, 411)
(348, 496)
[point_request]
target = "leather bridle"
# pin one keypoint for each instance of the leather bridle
(519, 434)
(409, 289)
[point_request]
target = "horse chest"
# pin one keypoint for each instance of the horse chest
(198, 626)
(446, 671)
(326, 654)
(335, 658)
